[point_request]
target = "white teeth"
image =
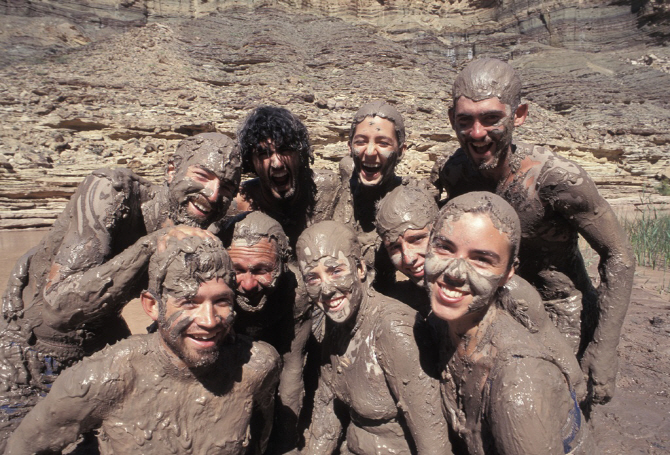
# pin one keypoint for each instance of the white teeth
(200, 207)
(372, 166)
(453, 293)
(203, 338)
(334, 303)
(418, 269)
(280, 174)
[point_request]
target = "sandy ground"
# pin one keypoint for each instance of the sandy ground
(637, 421)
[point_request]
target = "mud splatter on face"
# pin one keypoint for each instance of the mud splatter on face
(192, 280)
(259, 251)
(382, 109)
(206, 178)
(472, 249)
(329, 259)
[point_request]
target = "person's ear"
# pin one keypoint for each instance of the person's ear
(361, 269)
(401, 152)
(520, 114)
(149, 304)
(508, 276)
(171, 169)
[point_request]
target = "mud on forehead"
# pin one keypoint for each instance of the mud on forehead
(213, 151)
(380, 108)
(500, 212)
(405, 207)
(327, 239)
(179, 270)
(486, 78)
(255, 226)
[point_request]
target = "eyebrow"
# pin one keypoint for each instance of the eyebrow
(483, 114)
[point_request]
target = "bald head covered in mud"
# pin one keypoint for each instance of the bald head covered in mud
(64, 297)
(373, 354)
(488, 359)
(214, 384)
(556, 202)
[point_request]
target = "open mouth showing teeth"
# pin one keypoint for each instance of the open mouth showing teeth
(480, 149)
(334, 304)
(418, 271)
(204, 340)
(450, 292)
(201, 205)
(371, 168)
(280, 178)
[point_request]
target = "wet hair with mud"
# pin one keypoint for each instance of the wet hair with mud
(406, 207)
(180, 268)
(380, 108)
(502, 215)
(485, 78)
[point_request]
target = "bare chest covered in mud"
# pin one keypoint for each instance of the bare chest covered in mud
(164, 415)
(358, 380)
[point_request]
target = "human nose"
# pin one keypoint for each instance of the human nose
(213, 187)
(246, 281)
(409, 255)
(206, 317)
(275, 160)
(370, 149)
(327, 290)
(456, 270)
(478, 131)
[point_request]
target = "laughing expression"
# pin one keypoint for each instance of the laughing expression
(256, 269)
(197, 196)
(375, 150)
(408, 252)
(277, 170)
(467, 261)
(335, 285)
(194, 328)
(484, 129)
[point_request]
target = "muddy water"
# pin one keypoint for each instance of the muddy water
(13, 243)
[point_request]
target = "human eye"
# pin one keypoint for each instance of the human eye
(311, 279)
(443, 247)
(223, 302)
(417, 239)
(186, 304)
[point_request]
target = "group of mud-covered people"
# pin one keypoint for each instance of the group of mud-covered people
(280, 323)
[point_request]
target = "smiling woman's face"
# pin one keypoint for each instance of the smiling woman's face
(335, 285)
(375, 150)
(467, 261)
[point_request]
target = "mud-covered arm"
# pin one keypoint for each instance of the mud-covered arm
(12, 299)
(408, 361)
(529, 404)
(325, 429)
(291, 390)
(84, 279)
(530, 312)
(577, 198)
(264, 400)
(78, 402)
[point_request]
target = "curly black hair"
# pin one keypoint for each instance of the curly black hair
(283, 128)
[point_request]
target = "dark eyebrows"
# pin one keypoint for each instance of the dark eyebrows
(487, 253)
(497, 112)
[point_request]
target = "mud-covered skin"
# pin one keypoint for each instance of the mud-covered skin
(296, 214)
(141, 403)
(377, 360)
(503, 392)
(378, 372)
(285, 324)
(65, 296)
(356, 207)
(556, 200)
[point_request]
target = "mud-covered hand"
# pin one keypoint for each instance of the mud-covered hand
(12, 299)
(601, 368)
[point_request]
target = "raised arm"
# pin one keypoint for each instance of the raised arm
(78, 402)
(577, 198)
(408, 360)
(264, 398)
(325, 429)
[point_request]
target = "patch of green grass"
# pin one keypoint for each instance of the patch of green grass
(649, 233)
(664, 188)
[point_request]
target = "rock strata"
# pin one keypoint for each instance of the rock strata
(119, 84)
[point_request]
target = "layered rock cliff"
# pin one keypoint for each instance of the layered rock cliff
(118, 83)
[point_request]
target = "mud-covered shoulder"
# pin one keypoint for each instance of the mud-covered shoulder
(455, 174)
(564, 185)
(397, 323)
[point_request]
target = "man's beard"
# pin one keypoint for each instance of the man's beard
(178, 203)
(175, 342)
(244, 303)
